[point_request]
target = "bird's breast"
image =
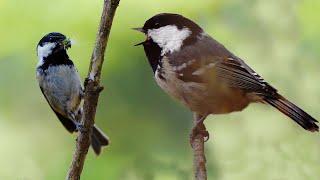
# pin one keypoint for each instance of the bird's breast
(62, 87)
(206, 97)
(189, 93)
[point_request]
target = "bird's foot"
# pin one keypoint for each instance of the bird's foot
(80, 127)
(199, 129)
(86, 81)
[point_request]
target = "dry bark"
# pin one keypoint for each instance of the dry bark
(92, 90)
(197, 143)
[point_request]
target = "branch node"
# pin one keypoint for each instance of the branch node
(115, 3)
(100, 88)
(86, 81)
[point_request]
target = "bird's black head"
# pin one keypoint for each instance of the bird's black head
(167, 33)
(51, 49)
(167, 19)
(52, 43)
(53, 37)
(168, 28)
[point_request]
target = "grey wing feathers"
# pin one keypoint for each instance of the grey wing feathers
(61, 87)
(66, 122)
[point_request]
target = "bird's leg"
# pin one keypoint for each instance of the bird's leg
(199, 129)
(81, 94)
(80, 127)
(198, 136)
(86, 81)
(75, 118)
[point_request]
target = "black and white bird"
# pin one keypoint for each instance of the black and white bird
(200, 72)
(60, 84)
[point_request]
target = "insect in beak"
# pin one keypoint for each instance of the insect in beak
(66, 43)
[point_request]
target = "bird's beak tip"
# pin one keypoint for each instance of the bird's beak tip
(139, 29)
(139, 44)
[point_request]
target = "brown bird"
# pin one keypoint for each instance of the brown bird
(206, 77)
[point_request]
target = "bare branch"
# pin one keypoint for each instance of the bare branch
(197, 143)
(92, 90)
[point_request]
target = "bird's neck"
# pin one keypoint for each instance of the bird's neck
(153, 53)
(56, 58)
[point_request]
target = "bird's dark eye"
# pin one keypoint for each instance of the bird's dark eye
(157, 25)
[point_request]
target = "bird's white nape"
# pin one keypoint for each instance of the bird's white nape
(169, 37)
(44, 51)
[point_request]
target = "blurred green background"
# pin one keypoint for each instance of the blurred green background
(280, 39)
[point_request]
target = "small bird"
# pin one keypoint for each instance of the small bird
(206, 77)
(60, 84)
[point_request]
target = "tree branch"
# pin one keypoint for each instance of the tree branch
(197, 143)
(92, 90)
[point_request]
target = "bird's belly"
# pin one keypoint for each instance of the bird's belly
(201, 99)
(62, 88)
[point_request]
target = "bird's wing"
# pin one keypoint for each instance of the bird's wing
(236, 74)
(207, 59)
(66, 122)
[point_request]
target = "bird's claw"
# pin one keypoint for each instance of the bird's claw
(205, 135)
(81, 128)
(86, 81)
(199, 129)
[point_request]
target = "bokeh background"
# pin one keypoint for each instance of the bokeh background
(280, 39)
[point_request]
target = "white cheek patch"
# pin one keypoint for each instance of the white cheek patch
(44, 51)
(169, 38)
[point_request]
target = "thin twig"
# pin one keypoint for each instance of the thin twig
(197, 144)
(92, 90)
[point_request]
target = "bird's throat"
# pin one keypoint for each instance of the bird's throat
(153, 53)
(57, 58)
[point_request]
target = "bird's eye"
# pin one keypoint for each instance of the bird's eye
(157, 25)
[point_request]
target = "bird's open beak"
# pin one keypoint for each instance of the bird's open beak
(66, 43)
(140, 30)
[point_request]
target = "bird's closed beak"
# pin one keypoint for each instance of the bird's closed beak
(140, 30)
(66, 43)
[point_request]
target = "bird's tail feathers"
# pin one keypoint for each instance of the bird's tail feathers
(294, 112)
(98, 140)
